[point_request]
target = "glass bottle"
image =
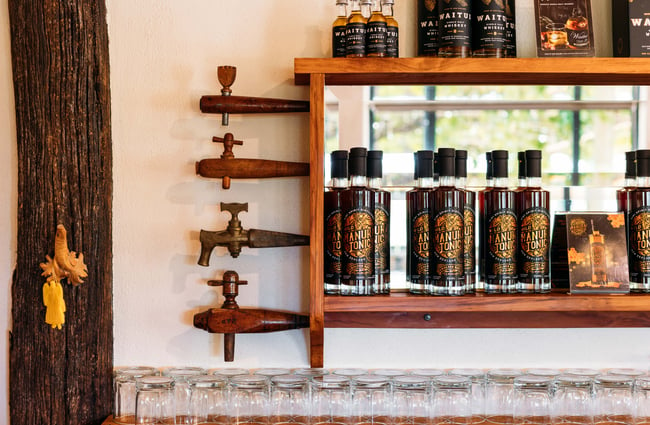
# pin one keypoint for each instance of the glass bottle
(480, 283)
(501, 230)
(638, 207)
(366, 9)
(447, 230)
(355, 32)
(358, 212)
(382, 223)
(376, 32)
(469, 220)
(577, 28)
(521, 171)
(534, 229)
(628, 185)
(334, 221)
(511, 30)
(418, 204)
(428, 28)
(489, 29)
(338, 29)
(392, 29)
(455, 28)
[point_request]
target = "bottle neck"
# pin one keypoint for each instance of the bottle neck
(500, 182)
(365, 10)
(374, 182)
(341, 10)
(355, 6)
(358, 181)
(447, 181)
(629, 182)
(534, 182)
(522, 182)
(387, 9)
(489, 182)
(461, 182)
(643, 181)
(339, 182)
(424, 182)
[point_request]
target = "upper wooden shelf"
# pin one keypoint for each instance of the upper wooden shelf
(517, 71)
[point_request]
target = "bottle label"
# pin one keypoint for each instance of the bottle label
(333, 227)
(392, 42)
(534, 242)
(420, 243)
(338, 41)
(455, 23)
(448, 235)
(639, 244)
(382, 240)
(501, 244)
(489, 26)
(355, 39)
(376, 34)
(358, 244)
(427, 27)
(469, 220)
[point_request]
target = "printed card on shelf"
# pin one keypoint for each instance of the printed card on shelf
(564, 28)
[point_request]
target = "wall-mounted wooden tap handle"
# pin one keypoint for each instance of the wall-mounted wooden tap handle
(250, 105)
(248, 320)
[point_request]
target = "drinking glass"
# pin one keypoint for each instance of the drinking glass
(477, 377)
(499, 395)
(124, 391)
(625, 371)
(289, 400)
(249, 400)
(451, 400)
(642, 400)
(331, 400)
(154, 400)
(411, 400)
(572, 403)
(371, 400)
(532, 400)
(613, 400)
(208, 400)
(181, 377)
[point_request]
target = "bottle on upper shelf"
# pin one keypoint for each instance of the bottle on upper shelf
(333, 221)
(638, 208)
(376, 32)
(355, 32)
(489, 29)
(392, 29)
(428, 28)
(455, 28)
(338, 29)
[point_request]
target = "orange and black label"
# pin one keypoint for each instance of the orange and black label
(358, 243)
(469, 223)
(448, 235)
(534, 241)
(382, 248)
(639, 244)
(502, 243)
(333, 236)
(420, 245)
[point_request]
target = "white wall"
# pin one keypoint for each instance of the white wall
(163, 58)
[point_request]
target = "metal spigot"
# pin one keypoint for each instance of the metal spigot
(226, 75)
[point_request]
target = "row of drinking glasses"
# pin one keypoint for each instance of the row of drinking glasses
(382, 396)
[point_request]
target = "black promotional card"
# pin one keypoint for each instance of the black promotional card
(564, 28)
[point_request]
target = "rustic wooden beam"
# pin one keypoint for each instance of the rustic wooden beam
(63, 121)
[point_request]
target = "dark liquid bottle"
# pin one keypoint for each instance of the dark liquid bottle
(455, 28)
(534, 229)
(511, 30)
(418, 205)
(500, 230)
(355, 32)
(521, 171)
(447, 230)
(482, 237)
(358, 210)
(392, 29)
(469, 221)
(333, 234)
(382, 223)
(376, 32)
(638, 207)
(489, 29)
(338, 29)
(428, 28)
(630, 181)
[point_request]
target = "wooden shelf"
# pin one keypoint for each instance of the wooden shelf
(517, 71)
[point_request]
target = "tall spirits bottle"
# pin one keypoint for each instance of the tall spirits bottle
(489, 29)
(629, 182)
(376, 32)
(428, 27)
(480, 283)
(418, 206)
(501, 230)
(447, 230)
(511, 30)
(534, 229)
(334, 221)
(382, 223)
(355, 32)
(392, 29)
(358, 209)
(469, 221)
(455, 28)
(338, 29)
(638, 207)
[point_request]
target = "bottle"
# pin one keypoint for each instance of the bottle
(447, 230)
(511, 30)
(598, 253)
(382, 223)
(577, 28)
(333, 221)
(428, 30)
(392, 29)
(358, 212)
(376, 32)
(489, 29)
(469, 221)
(638, 207)
(418, 205)
(481, 224)
(629, 183)
(338, 29)
(366, 9)
(355, 32)
(521, 171)
(500, 230)
(534, 224)
(455, 28)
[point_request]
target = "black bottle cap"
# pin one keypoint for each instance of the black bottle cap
(461, 163)
(446, 162)
(534, 163)
(499, 163)
(357, 162)
(339, 164)
(521, 169)
(375, 163)
(488, 168)
(424, 164)
(630, 165)
(415, 166)
(643, 163)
